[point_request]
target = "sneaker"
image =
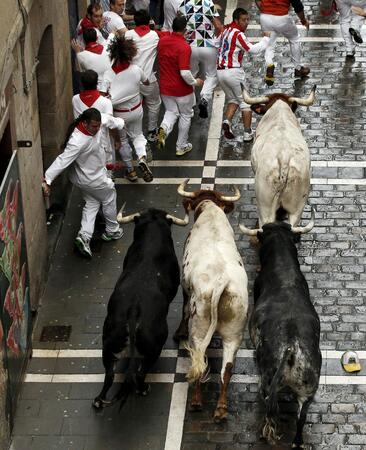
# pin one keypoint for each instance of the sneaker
(248, 136)
(228, 133)
(82, 244)
(202, 105)
(160, 139)
(145, 169)
(183, 150)
(269, 77)
(115, 235)
(152, 135)
(303, 72)
(131, 175)
(356, 35)
(149, 155)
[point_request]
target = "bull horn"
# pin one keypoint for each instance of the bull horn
(253, 100)
(177, 221)
(307, 227)
(304, 101)
(248, 231)
(183, 192)
(126, 219)
(232, 198)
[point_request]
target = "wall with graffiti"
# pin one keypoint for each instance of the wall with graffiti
(14, 287)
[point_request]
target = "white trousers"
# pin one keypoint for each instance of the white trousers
(181, 109)
(206, 57)
(232, 82)
(132, 130)
(281, 26)
(94, 199)
(347, 20)
(151, 95)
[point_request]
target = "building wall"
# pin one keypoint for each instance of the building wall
(45, 27)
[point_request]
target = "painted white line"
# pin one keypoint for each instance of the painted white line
(173, 353)
(177, 163)
(87, 353)
(169, 378)
(214, 130)
(303, 39)
(209, 172)
(158, 181)
(356, 164)
(313, 26)
(176, 416)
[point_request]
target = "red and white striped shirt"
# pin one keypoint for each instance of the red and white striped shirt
(233, 43)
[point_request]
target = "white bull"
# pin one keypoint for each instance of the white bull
(215, 282)
(280, 159)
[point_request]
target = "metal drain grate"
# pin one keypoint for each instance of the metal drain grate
(55, 333)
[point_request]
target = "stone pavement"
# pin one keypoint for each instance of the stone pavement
(54, 410)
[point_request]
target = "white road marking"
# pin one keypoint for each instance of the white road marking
(177, 412)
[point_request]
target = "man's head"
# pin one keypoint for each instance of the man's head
(117, 6)
(89, 80)
(91, 119)
(122, 50)
(179, 24)
(94, 12)
(141, 17)
(241, 18)
(89, 35)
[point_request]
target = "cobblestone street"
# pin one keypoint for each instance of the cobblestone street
(55, 407)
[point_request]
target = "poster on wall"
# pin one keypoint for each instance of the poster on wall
(15, 323)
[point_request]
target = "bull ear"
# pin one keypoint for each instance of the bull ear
(228, 207)
(294, 106)
(259, 108)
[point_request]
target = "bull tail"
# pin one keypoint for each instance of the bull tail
(198, 369)
(129, 383)
(270, 431)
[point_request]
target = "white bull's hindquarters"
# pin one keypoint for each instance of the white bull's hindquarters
(281, 163)
(216, 283)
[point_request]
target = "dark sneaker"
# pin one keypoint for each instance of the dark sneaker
(356, 36)
(160, 139)
(83, 245)
(131, 175)
(303, 72)
(202, 106)
(183, 150)
(269, 77)
(145, 169)
(227, 130)
(152, 135)
(112, 236)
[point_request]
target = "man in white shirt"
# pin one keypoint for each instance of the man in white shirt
(351, 24)
(82, 152)
(90, 97)
(122, 82)
(95, 56)
(113, 22)
(146, 41)
(93, 19)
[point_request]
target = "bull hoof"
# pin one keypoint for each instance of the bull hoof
(220, 415)
(144, 391)
(99, 403)
(195, 406)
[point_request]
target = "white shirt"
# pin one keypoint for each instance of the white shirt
(146, 51)
(80, 39)
(170, 13)
(113, 22)
(141, 4)
(86, 158)
(124, 87)
(92, 61)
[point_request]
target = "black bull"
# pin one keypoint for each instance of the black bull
(138, 307)
(284, 327)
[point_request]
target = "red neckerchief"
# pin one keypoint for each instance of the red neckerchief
(94, 48)
(80, 127)
(234, 25)
(119, 67)
(141, 30)
(86, 23)
(88, 97)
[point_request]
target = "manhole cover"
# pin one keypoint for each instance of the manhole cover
(55, 333)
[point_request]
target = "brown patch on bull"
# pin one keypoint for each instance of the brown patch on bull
(221, 408)
(262, 108)
(225, 310)
(193, 204)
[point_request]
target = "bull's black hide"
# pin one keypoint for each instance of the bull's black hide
(138, 307)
